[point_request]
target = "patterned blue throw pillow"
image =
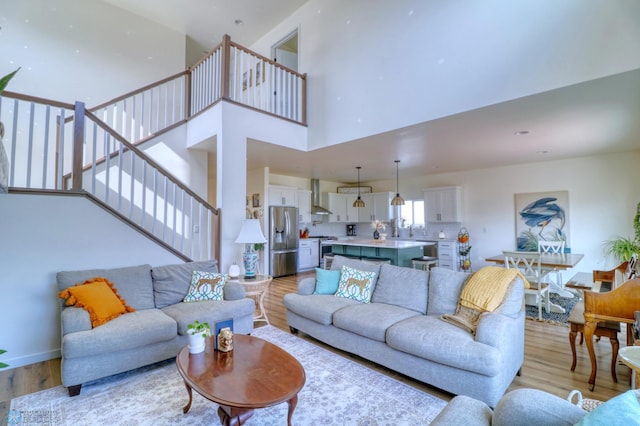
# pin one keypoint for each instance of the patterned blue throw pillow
(206, 286)
(355, 284)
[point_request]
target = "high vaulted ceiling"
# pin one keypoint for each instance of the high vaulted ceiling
(594, 117)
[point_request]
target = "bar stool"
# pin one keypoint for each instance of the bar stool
(425, 263)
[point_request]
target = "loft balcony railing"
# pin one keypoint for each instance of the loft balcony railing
(59, 147)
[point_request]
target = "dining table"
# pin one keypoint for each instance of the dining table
(550, 262)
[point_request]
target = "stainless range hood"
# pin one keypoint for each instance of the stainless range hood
(316, 208)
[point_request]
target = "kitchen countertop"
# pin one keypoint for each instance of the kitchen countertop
(393, 244)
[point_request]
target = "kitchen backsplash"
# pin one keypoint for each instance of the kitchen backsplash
(364, 230)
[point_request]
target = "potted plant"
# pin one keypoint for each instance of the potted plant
(2, 364)
(4, 160)
(623, 248)
(198, 332)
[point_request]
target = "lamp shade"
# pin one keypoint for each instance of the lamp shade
(251, 233)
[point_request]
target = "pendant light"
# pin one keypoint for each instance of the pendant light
(358, 202)
(397, 200)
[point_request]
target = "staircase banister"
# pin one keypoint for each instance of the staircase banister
(28, 98)
(204, 58)
(138, 91)
(149, 160)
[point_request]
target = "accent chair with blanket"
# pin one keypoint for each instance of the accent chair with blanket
(393, 316)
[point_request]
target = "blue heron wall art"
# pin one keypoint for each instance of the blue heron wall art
(541, 216)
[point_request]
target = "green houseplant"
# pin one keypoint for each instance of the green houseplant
(2, 364)
(623, 248)
(198, 332)
(4, 160)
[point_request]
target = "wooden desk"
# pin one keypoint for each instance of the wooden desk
(561, 261)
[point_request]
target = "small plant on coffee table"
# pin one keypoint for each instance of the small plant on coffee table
(198, 327)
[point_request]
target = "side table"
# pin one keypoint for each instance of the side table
(256, 288)
(630, 356)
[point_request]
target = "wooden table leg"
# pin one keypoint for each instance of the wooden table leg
(188, 406)
(572, 342)
(233, 416)
(615, 346)
(292, 406)
(589, 328)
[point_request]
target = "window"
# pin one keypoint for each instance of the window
(412, 212)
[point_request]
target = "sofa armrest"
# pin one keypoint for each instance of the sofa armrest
(307, 286)
(74, 320)
(463, 410)
(498, 330)
(233, 291)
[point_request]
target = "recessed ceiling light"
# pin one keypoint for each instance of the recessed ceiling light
(521, 132)
(238, 22)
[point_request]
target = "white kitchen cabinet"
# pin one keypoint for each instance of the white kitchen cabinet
(341, 207)
(448, 255)
(282, 196)
(304, 205)
(308, 254)
(443, 204)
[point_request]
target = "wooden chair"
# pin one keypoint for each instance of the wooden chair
(627, 270)
(617, 305)
(555, 247)
(528, 262)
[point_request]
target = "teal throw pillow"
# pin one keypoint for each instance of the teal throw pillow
(326, 281)
(206, 286)
(355, 284)
(622, 410)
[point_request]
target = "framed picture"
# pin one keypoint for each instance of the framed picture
(260, 76)
(542, 216)
(247, 76)
(256, 200)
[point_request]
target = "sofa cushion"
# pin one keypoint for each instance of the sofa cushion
(512, 302)
(326, 281)
(99, 298)
(370, 320)
(128, 331)
(445, 286)
(404, 287)
(427, 336)
(171, 282)
(623, 409)
(133, 283)
(211, 311)
(355, 284)
(205, 286)
(340, 261)
(318, 307)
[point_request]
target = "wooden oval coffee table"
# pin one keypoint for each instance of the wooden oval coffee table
(255, 374)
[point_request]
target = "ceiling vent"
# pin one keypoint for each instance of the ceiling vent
(316, 208)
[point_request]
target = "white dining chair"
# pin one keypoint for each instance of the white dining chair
(528, 262)
(553, 247)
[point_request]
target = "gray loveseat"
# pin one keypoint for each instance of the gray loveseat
(402, 328)
(154, 332)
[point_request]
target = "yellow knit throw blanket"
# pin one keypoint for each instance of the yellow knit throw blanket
(483, 292)
(486, 288)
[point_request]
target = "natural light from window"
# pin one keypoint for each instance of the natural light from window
(412, 213)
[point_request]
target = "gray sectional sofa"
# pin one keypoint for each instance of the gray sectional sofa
(154, 332)
(402, 328)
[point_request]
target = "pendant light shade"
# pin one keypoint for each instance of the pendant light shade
(397, 200)
(358, 202)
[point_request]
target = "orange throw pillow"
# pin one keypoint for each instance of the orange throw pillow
(99, 298)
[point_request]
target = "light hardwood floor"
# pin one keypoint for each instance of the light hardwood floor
(546, 364)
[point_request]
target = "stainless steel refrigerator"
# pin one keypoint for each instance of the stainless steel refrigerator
(283, 240)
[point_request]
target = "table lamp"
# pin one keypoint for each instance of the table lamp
(250, 234)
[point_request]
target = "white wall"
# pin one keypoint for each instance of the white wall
(426, 58)
(85, 50)
(41, 235)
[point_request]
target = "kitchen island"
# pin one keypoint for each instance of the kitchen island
(397, 252)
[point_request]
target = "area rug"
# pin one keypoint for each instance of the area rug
(337, 391)
(553, 317)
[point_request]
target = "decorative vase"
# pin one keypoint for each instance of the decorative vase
(376, 235)
(4, 165)
(383, 237)
(197, 342)
(234, 270)
(250, 261)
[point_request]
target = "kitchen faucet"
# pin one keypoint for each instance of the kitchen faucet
(411, 230)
